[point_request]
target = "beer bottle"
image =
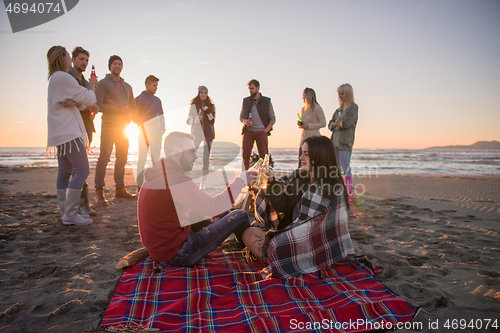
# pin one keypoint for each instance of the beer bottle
(262, 180)
(299, 119)
(340, 119)
(250, 118)
(257, 165)
(92, 75)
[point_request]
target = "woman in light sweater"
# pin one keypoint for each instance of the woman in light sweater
(313, 118)
(66, 132)
(343, 126)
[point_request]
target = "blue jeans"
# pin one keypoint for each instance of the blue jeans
(198, 244)
(74, 161)
(112, 135)
(344, 161)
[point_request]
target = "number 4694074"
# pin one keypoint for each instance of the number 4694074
(472, 324)
(37, 8)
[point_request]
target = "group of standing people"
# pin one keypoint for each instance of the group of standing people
(71, 112)
(73, 103)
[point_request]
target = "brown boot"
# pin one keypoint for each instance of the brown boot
(101, 200)
(121, 192)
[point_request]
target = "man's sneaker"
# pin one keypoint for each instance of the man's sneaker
(121, 192)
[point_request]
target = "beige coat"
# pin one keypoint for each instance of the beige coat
(315, 119)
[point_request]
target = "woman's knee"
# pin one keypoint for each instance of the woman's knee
(82, 170)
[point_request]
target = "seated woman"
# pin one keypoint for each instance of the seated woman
(304, 195)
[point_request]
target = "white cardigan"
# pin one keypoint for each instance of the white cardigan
(66, 124)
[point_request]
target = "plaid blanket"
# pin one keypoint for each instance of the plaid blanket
(224, 293)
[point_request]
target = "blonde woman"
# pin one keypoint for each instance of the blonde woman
(313, 118)
(343, 126)
(66, 132)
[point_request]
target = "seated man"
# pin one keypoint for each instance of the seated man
(166, 199)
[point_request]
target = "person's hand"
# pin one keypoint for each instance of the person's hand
(68, 103)
(267, 171)
(269, 174)
(248, 122)
(92, 83)
(336, 123)
(304, 126)
(94, 108)
(251, 177)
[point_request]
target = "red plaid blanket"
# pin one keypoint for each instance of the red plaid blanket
(224, 293)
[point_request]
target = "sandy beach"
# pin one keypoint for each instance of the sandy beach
(435, 237)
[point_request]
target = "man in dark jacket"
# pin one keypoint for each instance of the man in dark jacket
(80, 59)
(257, 116)
(116, 102)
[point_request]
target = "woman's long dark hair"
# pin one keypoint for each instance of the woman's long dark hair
(324, 166)
(208, 102)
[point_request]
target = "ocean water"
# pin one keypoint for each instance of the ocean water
(363, 161)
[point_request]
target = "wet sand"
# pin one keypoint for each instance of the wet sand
(435, 237)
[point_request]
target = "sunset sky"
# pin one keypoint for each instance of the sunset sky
(425, 73)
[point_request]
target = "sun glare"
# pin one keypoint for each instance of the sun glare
(132, 132)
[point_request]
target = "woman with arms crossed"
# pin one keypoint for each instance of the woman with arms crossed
(343, 126)
(66, 132)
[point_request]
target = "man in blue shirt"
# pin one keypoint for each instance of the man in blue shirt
(151, 124)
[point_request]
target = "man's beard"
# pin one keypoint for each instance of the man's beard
(254, 95)
(186, 165)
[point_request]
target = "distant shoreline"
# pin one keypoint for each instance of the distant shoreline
(478, 145)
